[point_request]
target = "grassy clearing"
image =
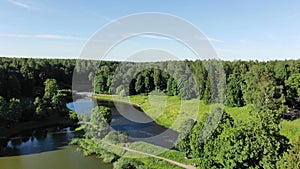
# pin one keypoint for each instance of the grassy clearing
(170, 111)
(110, 153)
(290, 129)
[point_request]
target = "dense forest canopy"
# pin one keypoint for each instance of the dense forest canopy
(240, 82)
(235, 83)
(35, 88)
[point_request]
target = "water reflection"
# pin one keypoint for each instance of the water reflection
(131, 120)
(36, 141)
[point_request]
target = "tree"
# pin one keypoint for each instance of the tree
(10, 111)
(207, 92)
(245, 145)
(157, 77)
(3, 108)
(98, 125)
(51, 88)
(139, 84)
(127, 163)
(293, 90)
(105, 112)
(183, 141)
(208, 128)
(116, 137)
(59, 101)
(169, 87)
(291, 158)
(14, 112)
(234, 94)
(40, 108)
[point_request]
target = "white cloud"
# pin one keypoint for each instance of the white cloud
(61, 37)
(20, 4)
(215, 40)
(209, 39)
(153, 36)
(42, 36)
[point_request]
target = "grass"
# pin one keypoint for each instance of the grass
(171, 111)
(290, 129)
(156, 150)
(109, 153)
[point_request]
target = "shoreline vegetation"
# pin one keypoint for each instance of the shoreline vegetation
(255, 96)
(237, 113)
(89, 147)
(289, 128)
(52, 121)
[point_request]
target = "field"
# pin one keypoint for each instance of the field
(170, 111)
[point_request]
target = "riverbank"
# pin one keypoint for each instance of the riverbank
(135, 154)
(167, 114)
(65, 158)
(54, 120)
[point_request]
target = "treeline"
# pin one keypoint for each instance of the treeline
(234, 83)
(33, 89)
(25, 77)
(30, 89)
(237, 83)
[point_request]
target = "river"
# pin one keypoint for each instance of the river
(130, 119)
(45, 149)
(49, 149)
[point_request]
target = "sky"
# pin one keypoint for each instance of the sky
(246, 30)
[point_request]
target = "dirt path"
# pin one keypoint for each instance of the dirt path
(154, 156)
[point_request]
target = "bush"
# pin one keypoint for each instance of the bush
(128, 163)
(116, 137)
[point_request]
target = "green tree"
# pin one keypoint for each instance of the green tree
(139, 84)
(234, 94)
(3, 108)
(207, 92)
(293, 90)
(127, 163)
(246, 145)
(14, 112)
(183, 141)
(208, 128)
(40, 107)
(97, 127)
(291, 158)
(51, 88)
(116, 137)
(59, 101)
(105, 112)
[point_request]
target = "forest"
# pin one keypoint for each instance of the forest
(33, 89)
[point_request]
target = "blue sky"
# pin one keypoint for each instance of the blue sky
(247, 30)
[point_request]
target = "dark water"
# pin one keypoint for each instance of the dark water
(132, 120)
(37, 141)
(45, 149)
(48, 148)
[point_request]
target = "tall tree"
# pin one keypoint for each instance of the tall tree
(51, 88)
(293, 90)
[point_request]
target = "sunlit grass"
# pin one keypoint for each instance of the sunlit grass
(171, 111)
(290, 129)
